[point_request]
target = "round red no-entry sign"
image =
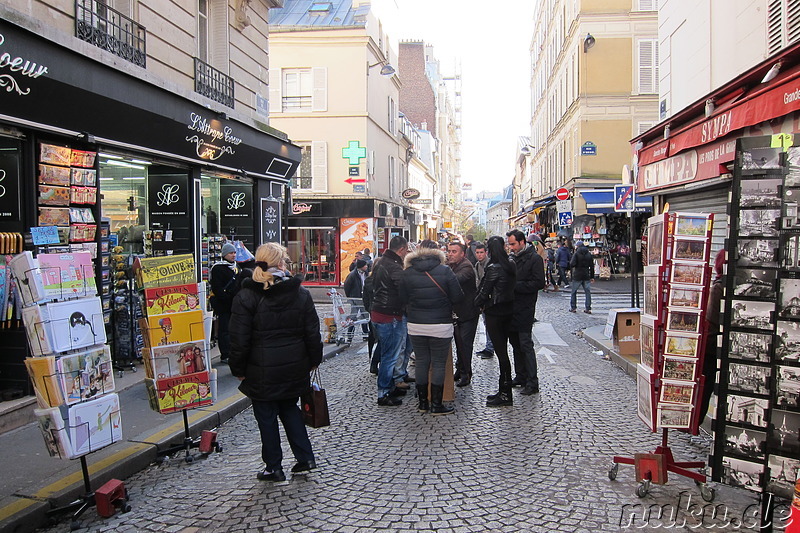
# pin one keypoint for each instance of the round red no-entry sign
(562, 194)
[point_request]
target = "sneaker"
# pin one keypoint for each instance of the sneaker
(527, 391)
(588, 311)
(573, 310)
(566, 286)
(303, 466)
(485, 354)
(266, 475)
(388, 401)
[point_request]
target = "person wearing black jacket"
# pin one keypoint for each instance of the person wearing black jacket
(223, 286)
(275, 343)
(582, 265)
(386, 314)
(496, 299)
(354, 288)
(466, 313)
(530, 280)
(429, 290)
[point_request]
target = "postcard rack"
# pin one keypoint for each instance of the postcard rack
(673, 334)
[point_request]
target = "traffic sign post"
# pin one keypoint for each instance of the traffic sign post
(563, 206)
(565, 218)
(624, 198)
(562, 194)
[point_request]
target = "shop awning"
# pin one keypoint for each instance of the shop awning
(600, 201)
(540, 203)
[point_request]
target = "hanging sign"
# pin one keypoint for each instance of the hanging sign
(624, 198)
(45, 235)
(565, 218)
(563, 206)
(270, 220)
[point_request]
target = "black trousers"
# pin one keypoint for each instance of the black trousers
(267, 414)
(525, 356)
(467, 330)
(499, 330)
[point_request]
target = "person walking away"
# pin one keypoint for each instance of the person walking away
(530, 280)
(470, 251)
(582, 265)
(496, 299)
(387, 317)
(713, 318)
(563, 257)
(429, 290)
(354, 288)
(275, 343)
(482, 260)
(466, 313)
(551, 283)
(222, 278)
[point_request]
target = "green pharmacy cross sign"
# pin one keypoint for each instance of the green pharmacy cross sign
(354, 153)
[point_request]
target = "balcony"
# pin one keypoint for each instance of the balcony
(110, 30)
(212, 83)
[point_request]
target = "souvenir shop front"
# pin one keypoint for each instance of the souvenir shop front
(325, 234)
(113, 161)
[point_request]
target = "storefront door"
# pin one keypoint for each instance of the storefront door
(315, 251)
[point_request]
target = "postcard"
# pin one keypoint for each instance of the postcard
(171, 299)
(54, 216)
(688, 273)
(52, 195)
(752, 346)
(750, 378)
(747, 410)
(687, 321)
(761, 159)
(52, 175)
(677, 392)
(655, 242)
(674, 416)
(37, 328)
(789, 302)
(757, 252)
(744, 474)
(686, 296)
(755, 283)
(67, 275)
(55, 155)
(645, 394)
(745, 442)
(652, 293)
(54, 432)
(752, 314)
(763, 192)
(783, 471)
(26, 269)
(181, 392)
(76, 324)
(679, 368)
(693, 224)
(175, 328)
(95, 424)
(86, 375)
(759, 222)
(177, 359)
(686, 249)
(681, 344)
(46, 386)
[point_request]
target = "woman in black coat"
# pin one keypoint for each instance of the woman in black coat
(496, 299)
(275, 343)
(429, 290)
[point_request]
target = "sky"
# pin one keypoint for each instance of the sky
(492, 49)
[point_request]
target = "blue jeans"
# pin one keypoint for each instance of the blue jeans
(573, 299)
(267, 414)
(489, 346)
(401, 366)
(391, 337)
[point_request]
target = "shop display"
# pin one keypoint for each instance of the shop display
(95, 424)
(163, 271)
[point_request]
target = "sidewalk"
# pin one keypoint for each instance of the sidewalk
(33, 482)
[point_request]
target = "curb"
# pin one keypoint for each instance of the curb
(608, 351)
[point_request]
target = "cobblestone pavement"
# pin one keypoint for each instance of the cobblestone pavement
(541, 465)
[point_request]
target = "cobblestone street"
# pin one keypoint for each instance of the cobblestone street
(541, 465)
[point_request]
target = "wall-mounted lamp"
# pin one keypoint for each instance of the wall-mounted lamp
(710, 107)
(588, 42)
(666, 132)
(771, 73)
(527, 149)
(386, 69)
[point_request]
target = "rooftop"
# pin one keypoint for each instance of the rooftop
(318, 14)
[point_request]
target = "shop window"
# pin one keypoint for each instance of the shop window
(314, 253)
(123, 183)
(303, 177)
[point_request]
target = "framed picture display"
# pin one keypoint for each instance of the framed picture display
(750, 378)
(752, 314)
(688, 273)
(689, 296)
(688, 249)
(681, 344)
(784, 436)
(745, 442)
(757, 253)
(644, 388)
(747, 410)
(787, 341)
(683, 321)
(787, 387)
(674, 416)
(648, 330)
(743, 474)
(756, 159)
(677, 392)
(755, 283)
(656, 239)
(693, 224)
(789, 301)
(653, 290)
(759, 222)
(790, 252)
(679, 368)
(763, 192)
(751, 346)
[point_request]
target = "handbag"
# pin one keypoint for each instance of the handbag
(455, 316)
(315, 404)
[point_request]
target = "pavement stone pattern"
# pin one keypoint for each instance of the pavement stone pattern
(539, 466)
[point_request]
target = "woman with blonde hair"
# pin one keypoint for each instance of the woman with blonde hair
(275, 343)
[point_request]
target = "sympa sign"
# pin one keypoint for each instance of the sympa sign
(697, 153)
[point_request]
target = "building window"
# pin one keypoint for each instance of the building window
(648, 5)
(783, 24)
(302, 179)
(392, 117)
(392, 179)
(202, 30)
(297, 89)
(648, 66)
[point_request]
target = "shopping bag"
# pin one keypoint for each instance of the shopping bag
(315, 404)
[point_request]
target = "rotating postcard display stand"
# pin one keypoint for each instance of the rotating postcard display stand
(176, 349)
(673, 331)
(757, 426)
(71, 367)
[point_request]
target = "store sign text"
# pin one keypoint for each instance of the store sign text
(208, 149)
(168, 194)
(21, 65)
(717, 127)
(298, 209)
(678, 169)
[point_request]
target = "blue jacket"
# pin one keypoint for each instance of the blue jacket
(563, 257)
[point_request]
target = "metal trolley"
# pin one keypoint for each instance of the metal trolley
(349, 314)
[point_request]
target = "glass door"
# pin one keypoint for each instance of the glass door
(314, 252)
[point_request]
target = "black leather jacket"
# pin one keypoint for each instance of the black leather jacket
(388, 274)
(496, 292)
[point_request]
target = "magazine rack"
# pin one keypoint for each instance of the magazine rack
(188, 444)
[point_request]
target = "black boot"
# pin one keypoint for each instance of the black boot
(436, 401)
(422, 392)
(499, 390)
(503, 398)
(373, 363)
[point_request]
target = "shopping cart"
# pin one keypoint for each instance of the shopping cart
(349, 314)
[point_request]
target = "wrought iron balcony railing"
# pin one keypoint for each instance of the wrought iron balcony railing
(212, 83)
(110, 30)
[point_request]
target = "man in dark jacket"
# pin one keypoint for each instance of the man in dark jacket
(482, 260)
(386, 314)
(562, 262)
(354, 288)
(467, 322)
(223, 287)
(582, 265)
(530, 280)
(470, 249)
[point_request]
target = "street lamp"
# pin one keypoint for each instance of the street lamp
(386, 69)
(588, 42)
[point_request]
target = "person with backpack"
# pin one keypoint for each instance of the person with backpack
(582, 265)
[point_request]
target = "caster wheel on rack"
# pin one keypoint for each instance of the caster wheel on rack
(612, 472)
(707, 493)
(218, 448)
(74, 525)
(643, 489)
(126, 508)
(189, 459)
(133, 369)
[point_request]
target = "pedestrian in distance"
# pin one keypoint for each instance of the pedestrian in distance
(563, 257)
(550, 267)
(429, 290)
(354, 288)
(275, 343)
(222, 278)
(470, 251)
(582, 265)
(529, 281)
(496, 299)
(466, 321)
(482, 260)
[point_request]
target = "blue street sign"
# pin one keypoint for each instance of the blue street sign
(565, 218)
(624, 198)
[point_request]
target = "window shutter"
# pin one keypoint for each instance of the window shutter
(792, 22)
(218, 22)
(648, 66)
(319, 91)
(774, 26)
(648, 5)
(645, 126)
(124, 7)
(319, 166)
(275, 105)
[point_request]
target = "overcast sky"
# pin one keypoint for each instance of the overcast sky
(491, 46)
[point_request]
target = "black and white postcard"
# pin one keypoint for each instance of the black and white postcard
(751, 346)
(759, 222)
(755, 283)
(757, 252)
(747, 410)
(761, 193)
(748, 314)
(788, 387)
(784, 434)
(740, 473)
(789, 302)
(749, 378)
(787, 341)
(745, 442)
